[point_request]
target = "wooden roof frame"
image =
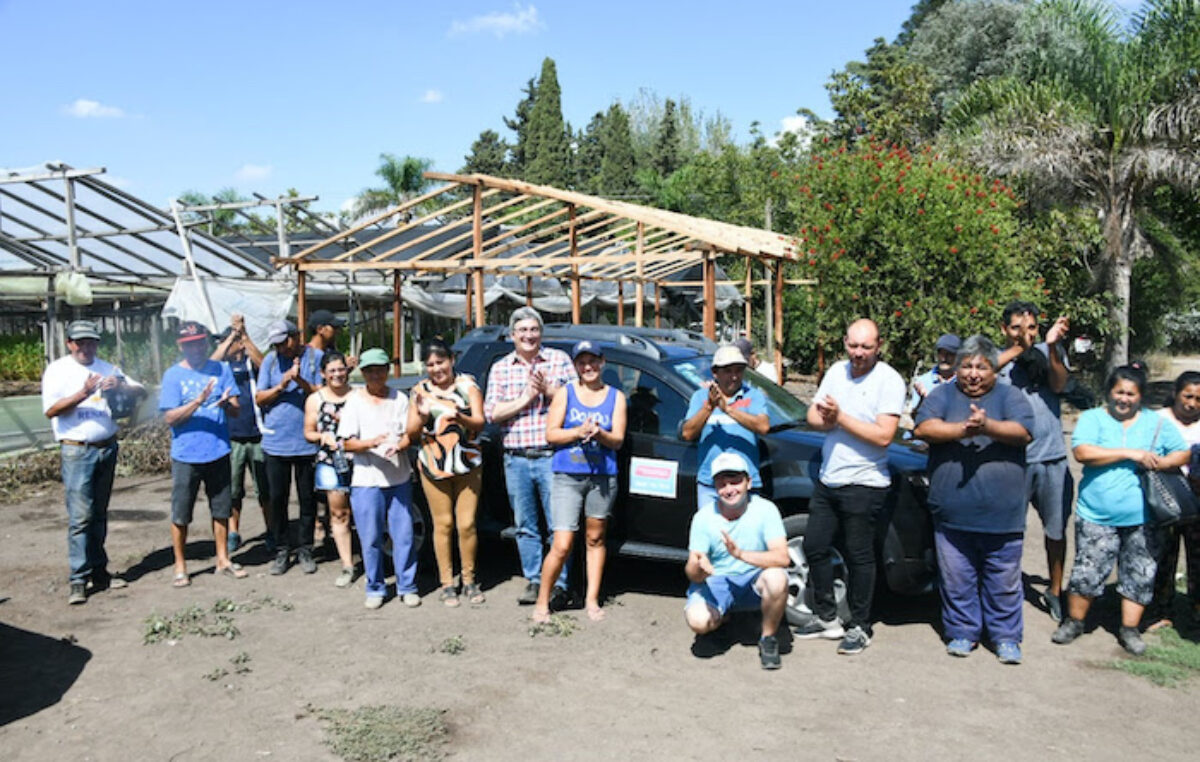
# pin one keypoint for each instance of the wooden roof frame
(553, 233)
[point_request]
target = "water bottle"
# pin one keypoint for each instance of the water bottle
(341, 464)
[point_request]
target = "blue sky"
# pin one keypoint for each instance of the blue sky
(264, 96)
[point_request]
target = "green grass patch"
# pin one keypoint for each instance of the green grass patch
(1169, 662)
(385, 733)
(453, 645)
(559, 626)
(217, 621)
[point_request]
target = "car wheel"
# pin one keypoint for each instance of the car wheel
(800, 596)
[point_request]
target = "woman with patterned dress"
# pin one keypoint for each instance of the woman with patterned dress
(322, 412)
(444, 415)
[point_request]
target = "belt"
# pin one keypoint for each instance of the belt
(247, 440)
(100, 445)
(530, 452)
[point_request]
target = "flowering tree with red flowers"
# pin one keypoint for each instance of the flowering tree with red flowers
(920, 245)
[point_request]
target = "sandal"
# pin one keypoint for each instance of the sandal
(449, 596)
(234, 571)
(181, 580)
(473, 594)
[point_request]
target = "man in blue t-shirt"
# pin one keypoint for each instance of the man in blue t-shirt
(737, 553)
(1040, 371)
(289, 373)
(726, 414)
(196, 394)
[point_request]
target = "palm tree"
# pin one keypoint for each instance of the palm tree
(1106, 113)
(404, 179)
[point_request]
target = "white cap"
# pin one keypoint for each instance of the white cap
(728, 355)
(730, 462)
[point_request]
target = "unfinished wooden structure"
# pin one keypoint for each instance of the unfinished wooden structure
(549, 233)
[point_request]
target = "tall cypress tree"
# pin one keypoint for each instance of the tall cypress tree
(618, 169)
(519, 155)
(547, 149)
(589, 152)
(665, 157)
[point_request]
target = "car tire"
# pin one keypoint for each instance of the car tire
(799, 609)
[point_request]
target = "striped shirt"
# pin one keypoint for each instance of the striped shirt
(507, 381)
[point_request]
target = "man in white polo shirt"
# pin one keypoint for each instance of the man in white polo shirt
(858, 403)
(79, 391)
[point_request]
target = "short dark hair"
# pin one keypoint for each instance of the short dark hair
(1184, 379)
(331, 355)
(436, 346)
(1126, 373)
(1018, 307)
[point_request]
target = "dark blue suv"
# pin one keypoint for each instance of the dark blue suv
(658, 370)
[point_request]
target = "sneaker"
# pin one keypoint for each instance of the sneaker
(1008, 652)
(768, 652)
(412, 600)
(78, 593)
(1054, 606)
(102, 580)
(819, 628)
(233, 542)
(346, 578)
(855, 642)
(280, 564)
(374, 601)
(960, 647)
(1131, 640)
(560, 600)
(305, 559)
(1067, 631)
(529, 597)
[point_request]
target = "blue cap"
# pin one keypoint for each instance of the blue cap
(586, 347)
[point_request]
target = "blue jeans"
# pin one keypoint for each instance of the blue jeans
(529, 479)
(87, 475)
(380, 510)
(981, 584)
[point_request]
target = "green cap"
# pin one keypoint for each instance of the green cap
(374, 356)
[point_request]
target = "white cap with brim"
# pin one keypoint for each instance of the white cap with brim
(731, 463)
(728, 355)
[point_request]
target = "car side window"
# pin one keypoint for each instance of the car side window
(654, 407)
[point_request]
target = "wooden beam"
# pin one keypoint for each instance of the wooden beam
(710, 296)
(301, 306)
(397, 336)
(470, 286)
(639, 286)
(658, 305)
(746, 294)
(778, 266)
(576, 296)
(620, 302)
(528, 290)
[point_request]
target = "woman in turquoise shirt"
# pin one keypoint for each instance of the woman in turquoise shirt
(1114, 443)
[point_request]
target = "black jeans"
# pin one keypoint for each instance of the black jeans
(279, 469)
(854, 508)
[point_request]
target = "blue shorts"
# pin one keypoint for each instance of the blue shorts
(326, 477)
(735, 592)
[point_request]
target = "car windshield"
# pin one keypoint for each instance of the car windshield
(782, 407)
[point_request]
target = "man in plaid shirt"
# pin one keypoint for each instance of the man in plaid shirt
(519, 389)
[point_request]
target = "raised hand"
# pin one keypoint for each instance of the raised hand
(715, 398)
(207, 390)
(238, 323)
(90, 383)
(1058, 331)
(730, 545)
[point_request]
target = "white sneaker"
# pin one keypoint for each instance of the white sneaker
(819, 628)
(374, 602)
(412, 600)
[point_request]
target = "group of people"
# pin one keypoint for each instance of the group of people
(990, 416)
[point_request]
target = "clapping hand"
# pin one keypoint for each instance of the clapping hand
(828, 408)
(975, 423)
(292, 373)
(716, 399)
(91, 383)
(207, 390)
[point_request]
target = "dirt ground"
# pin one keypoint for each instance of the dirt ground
(77, 683)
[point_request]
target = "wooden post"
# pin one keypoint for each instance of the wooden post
(467, 301)
(779, 320)
(117, 332)
(576, 296)
(620, 302)
(710, 296)
(301, 306)
(397, 337)
(639, 290)
(156, 345)
(528, 290)
(746, 294)
(52, 352)
(658, 304)
(477, 254)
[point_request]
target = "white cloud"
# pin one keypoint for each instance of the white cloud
(250, 173)
(797, 124)
(432, 96)
(83, 108)
(521, 20)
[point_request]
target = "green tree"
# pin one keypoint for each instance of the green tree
(1103, 123)
(589, 155)
(519, 124)
(220, 222)
(548, 151)
(667, 153)
(618, 169)
(889, 96)
(403, 179)
(488, 155)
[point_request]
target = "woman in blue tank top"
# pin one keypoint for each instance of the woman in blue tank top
(586, 426)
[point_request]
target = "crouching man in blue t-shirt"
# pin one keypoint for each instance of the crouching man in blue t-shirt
(737, 552)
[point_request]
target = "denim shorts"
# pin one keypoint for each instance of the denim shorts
(326, 478)
(572, 494)
(735, 592)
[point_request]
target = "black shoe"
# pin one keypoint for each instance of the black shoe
(280, 564)
(305, 559)
(855, 642)
(768, 652)
(1067, 631)
(529, 597)
(560, 600)
(78, 593)
(102, 581)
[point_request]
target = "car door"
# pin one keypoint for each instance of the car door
(658, 509)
